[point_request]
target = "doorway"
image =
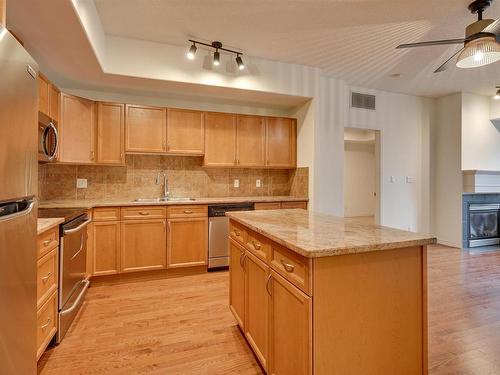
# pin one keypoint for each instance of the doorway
(362, 174)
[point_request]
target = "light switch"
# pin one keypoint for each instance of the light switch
(257, 183)
(236, 183)
(410, 179)
(81, 183)
(393, 179)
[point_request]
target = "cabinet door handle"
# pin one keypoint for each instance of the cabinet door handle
(256, 245)
(188, 211)
(47, 242)
(268, 281)
(45, 278)
(164, 226)
(92, 155)
(143, 213)
(242, 260)
(288, 267)
(46, 324)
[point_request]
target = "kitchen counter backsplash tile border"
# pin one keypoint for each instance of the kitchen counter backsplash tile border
(186, 177)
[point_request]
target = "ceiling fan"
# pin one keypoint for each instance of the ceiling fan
(480, 43)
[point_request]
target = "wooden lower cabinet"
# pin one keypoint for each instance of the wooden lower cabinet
(290, 329)
(256, 306)
(46, 320)
(187, 243)
(106, 248)
(142, 245)
(289, 205)
(237, 282)
(267, 206)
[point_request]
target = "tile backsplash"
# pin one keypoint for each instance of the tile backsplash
(186, 177)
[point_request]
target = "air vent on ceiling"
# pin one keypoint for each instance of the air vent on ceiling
(363, 101)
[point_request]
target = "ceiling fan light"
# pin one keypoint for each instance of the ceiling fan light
(479, 52)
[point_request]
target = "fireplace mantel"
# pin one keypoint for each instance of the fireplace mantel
(476, 181)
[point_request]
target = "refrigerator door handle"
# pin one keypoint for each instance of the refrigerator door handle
(27, 210)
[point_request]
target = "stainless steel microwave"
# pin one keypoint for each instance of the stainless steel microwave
(48, 138)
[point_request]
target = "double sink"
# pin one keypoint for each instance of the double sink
(158, 200)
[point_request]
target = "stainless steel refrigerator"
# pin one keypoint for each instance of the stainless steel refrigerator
(18, 211)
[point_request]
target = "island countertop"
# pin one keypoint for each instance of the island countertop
(315, 235)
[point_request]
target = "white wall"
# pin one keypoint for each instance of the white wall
(446, 173)
(359, 179)
(480, 136)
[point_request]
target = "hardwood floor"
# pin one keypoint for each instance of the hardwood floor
(183, 325)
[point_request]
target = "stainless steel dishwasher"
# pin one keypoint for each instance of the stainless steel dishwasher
(218, 232)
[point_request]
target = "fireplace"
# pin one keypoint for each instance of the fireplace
(482, 224)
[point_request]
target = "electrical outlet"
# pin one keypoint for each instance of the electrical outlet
(257, 183)
(81, 183)
(236, 183)
(393, 179)
(410, 179)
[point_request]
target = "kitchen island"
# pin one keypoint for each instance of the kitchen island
(318, 294)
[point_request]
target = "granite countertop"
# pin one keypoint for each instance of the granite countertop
(110, 203)
(315, 235)
(44, 225)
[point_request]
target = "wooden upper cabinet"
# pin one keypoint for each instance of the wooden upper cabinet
(77, 130)
(251, 141)
(281, 142)
(145, 129)
(220, 139)
(54, 103)
(110, 133)
(43, 94)
(185, 132)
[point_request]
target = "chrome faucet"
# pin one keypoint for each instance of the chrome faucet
(166, 193)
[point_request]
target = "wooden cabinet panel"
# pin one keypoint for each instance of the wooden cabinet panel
(54, 102)
(47, 241)
(46, 276)
(238, 232)
(281, 142)
(90, 249)
(256, 306)
(142, 212)
(259, 245)
(186, 211)
(293, 267)
(106, 214)
(301, 204)
(220, 139)
(251, 141)
(145, 129)
(290, 329)
(106, 248)
(77, 130)
(110, 133)
(187, 243)
(237, 282)
(185, 132)
(267, 206)
(143, 245)
(43, 94)
(46, 322)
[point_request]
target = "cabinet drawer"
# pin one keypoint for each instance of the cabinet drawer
(293, 267)
(285, 205)
(267, 206)
(238, 232)
(47, 241)
(46, 324)
(187, 211)
(258, 245)
(143, 212)
(106, 214)
(46, 282)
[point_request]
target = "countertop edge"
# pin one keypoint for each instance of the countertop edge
(326, 252)
(45, 224)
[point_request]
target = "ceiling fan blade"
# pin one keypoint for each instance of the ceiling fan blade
(448, 62)
(432, 43)
(493, 28)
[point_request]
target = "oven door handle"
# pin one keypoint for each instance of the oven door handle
(84, 224)
(78, 299)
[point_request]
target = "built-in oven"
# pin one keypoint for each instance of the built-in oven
(48, 138)
(73, 282)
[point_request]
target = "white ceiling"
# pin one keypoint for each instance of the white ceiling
(353, 40)
(350, 39)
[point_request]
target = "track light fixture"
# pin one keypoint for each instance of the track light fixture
(192, 51)
(216, 58)
(497, 95)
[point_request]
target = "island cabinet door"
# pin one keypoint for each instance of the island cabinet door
(256, 306)
(237, 282)
(290, 329)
